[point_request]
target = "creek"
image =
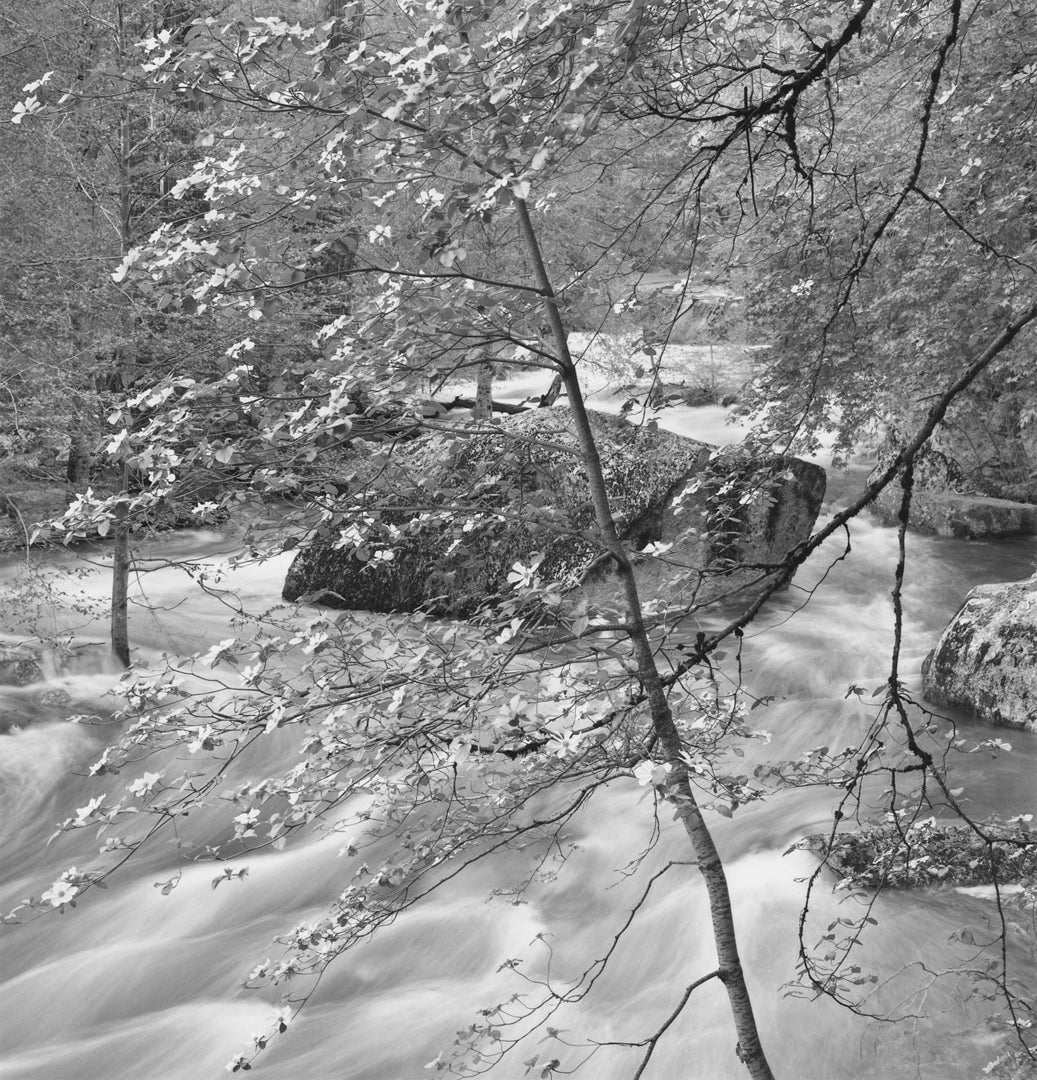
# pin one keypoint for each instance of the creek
(135, 984)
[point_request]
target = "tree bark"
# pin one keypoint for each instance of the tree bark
(484, 392)
(121, 561)
(679, 791)
(121, 526)
(77, 469)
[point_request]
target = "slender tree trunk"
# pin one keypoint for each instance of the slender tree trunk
(83, 419)
(484, 391)
(121, 526)
(679, 791)
(77, 470)
(121, 563)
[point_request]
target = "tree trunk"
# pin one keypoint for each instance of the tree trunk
(484, 392)
(121, 525)
(121, 563)
(679, 791)
(77, 471)
(552, 393)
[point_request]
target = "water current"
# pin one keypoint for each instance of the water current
(135, 984)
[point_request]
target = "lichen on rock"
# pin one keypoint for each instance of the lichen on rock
(986, 659)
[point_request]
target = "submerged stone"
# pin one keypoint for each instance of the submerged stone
(19, 667)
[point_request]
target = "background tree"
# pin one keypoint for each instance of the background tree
(114, 149)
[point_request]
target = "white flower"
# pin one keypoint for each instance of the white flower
(524, 577)
(647, 772)
(656, 548)
(565, 744)
(260, 971)
(245, 345)
(244, 823)
(85, 813)
(202, 736)
(117, 442)
(143, 784)
(61, 892)
(218, 653)
(22, 109)
(31, 88)
(431, 197)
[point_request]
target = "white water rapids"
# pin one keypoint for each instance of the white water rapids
(134, 984)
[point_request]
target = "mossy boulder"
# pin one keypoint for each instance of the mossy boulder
(986, 659)
(456, 512)
(19, 667)
(927, 854)
(946, 502)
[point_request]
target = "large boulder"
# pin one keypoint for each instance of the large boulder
(457, 512)
(944, 502)
(986, 660)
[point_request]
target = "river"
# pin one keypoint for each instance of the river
(135, 984)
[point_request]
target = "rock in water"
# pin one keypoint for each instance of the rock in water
(446, 518)
(944, 502)
(929, 853)
(986, 660)
(19, 667)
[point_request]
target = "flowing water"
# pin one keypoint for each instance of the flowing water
(135, 984)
